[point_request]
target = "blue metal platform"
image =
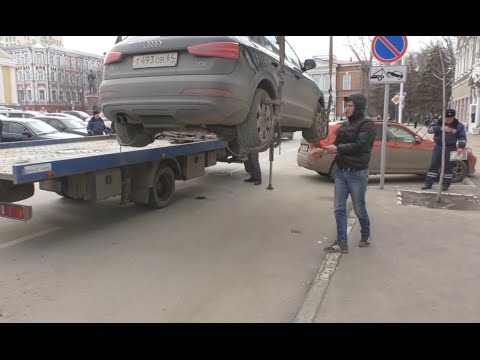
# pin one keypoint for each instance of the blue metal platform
(31, 161)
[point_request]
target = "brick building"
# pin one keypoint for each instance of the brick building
(349, 80)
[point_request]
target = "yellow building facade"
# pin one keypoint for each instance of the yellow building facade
(8, 81)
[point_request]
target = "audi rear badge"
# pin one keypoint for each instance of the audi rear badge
(152, 44)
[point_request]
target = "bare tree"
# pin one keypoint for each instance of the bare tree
(361, 47)
(445, 61)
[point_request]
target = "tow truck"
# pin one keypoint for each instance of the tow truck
(98, 168)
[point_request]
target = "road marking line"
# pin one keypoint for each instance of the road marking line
(28, 237)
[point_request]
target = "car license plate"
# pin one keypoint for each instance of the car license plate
(154, 60)
(304, 147)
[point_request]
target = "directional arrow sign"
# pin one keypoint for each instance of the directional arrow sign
(388, 49)
(388, 74)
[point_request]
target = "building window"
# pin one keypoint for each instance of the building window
(41, 75)
(69, 80)
(41, 94)
(347, 82)
(26, 59)
(54, 95)
(39, 58)
(79, 63)
(29, 95)
(60, 77)
(61, 95)
(20, 76)
(19, 60)
(21, 95)
(67, 62)
(51, 59)
(27, 76)
(74, 96)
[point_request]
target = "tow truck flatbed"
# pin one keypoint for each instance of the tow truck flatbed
(96, 168)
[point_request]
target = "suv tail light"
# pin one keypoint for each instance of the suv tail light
(112, 57)
(230, 50)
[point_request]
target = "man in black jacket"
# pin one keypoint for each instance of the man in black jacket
(353, 146)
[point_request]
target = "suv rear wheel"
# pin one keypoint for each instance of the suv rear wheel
(256, 132)
(319, 129)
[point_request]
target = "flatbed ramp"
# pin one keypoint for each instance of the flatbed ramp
(39, 160)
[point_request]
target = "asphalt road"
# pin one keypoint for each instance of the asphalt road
(223, 251)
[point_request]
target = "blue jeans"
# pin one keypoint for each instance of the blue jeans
(355, 184)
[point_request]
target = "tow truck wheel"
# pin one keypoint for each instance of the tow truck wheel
(161, 194)
(133, 135)
(256, 132)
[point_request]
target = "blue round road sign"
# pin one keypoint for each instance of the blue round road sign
(389, 49)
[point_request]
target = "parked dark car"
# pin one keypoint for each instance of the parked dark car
(80, 114)
(18, 129)
(65, 125)
(224, 83)
(16, 113)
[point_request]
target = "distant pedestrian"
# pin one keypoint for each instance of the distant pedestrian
(353, 147)
(96, 126)
(454, 133)
(252, 166)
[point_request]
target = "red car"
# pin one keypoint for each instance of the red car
(407, 153)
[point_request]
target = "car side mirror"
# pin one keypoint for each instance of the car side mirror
(418, 139)
(309, 65)
(26, 133)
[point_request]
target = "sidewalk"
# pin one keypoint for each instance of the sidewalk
(423, 266)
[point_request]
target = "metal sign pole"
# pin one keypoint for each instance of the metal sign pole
(400, 109)
(384, 135)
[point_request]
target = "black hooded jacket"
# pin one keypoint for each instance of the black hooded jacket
(355, 137)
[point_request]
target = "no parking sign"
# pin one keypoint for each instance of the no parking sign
(388, 49)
